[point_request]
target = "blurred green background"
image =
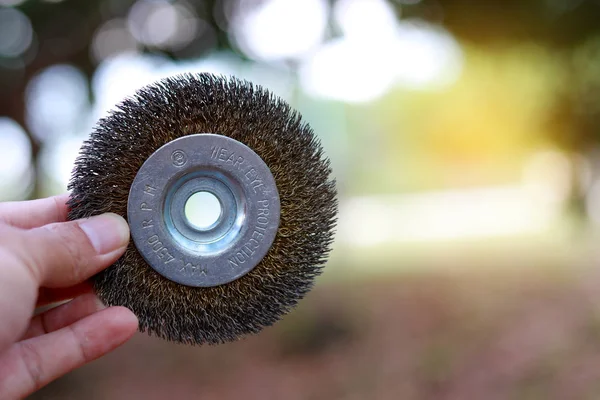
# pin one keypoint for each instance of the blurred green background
(465, 138)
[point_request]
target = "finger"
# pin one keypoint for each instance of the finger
(63, 315)
(35, 213)
(48, 295)
(65, 254)
(33, 363)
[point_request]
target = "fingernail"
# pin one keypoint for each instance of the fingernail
(99, 304)
(107, 232)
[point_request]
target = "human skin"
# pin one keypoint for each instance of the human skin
(45, 260)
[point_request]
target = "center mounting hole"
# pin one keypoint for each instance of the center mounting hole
(203, 210)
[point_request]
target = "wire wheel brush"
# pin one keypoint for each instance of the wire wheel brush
(208, 280)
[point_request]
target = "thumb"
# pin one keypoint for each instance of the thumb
(64, 254)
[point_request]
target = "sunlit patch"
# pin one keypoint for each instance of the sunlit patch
(15, 160)
(450, 215)
(57, 101)
(16, 33)
(276, 29)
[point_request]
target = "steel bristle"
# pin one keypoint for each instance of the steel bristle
(189, 104)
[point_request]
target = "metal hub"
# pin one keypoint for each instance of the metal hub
(203, 255)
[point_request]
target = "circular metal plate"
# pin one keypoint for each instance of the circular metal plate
(244, 231)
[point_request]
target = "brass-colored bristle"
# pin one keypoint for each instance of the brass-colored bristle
(190, 104)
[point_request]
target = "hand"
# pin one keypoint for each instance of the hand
(44, 260)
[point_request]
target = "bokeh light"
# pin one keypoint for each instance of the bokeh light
(56, 162)
(57, 102)
(349, 70)
(377, 53)
(162, 24)
(15, 161)
(372, 19)
(427, 56)
(11, 3)
(112, 38)
(16, 33)
(278, 29)
(119, 77)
